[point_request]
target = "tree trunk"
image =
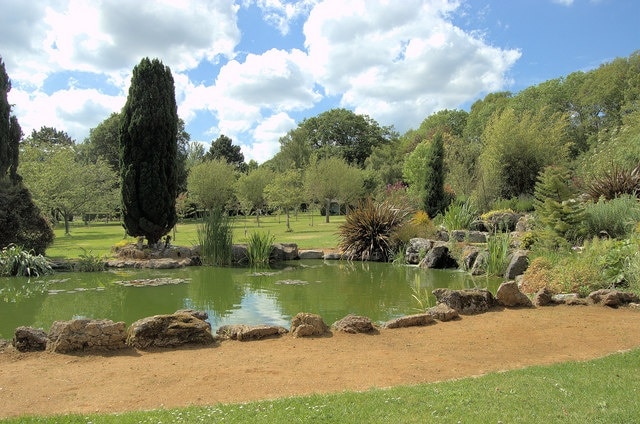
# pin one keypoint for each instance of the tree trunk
(327, 211)
(288, 226)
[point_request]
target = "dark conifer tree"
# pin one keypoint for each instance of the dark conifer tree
(434, 196)
(148, 151)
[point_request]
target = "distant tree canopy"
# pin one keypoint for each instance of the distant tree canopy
(223, 148)
(148, 152)
(21, 222)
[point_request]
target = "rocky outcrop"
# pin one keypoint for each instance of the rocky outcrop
(86, 335)
(284, 252)
(181, 328)
(517, 265)
(468, 236)
(354, 324)
(438, 257)
(443, 312)
(466, 302)
(571, 299)
(613, 298)
(415, 320)
(29, 339)
(509, 295)
(242, 332)
(308, 325)
(543, 297)
(310, 254)
(502, 221)
(417, 249)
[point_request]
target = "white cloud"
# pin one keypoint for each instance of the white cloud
(400, 61)
(266, 137)
(280, 13)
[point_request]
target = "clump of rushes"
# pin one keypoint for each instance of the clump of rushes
(88, 262)
(16, 261)
(215, 236)
(369, 231)
(498, 247)
(459, 216)
(259, 248)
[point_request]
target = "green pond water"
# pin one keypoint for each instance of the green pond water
(332, 289)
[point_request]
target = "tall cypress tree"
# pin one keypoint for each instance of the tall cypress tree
(434, 196)
(148, 152)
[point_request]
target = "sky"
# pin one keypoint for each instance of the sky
(253, 69)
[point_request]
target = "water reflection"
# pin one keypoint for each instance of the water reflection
(332, 289)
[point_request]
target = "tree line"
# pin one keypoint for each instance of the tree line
(584, 122)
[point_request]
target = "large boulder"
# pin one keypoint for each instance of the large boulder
(29, 339)
(543, 297)
(239, 254)
(242, 332)
(311, 254)
(354, 324)
(86, 335)
(509, 295)
(439, 258)
(503, 221)
(466, 302)
(443, 312)
(613, 298)
(181, 328)
(308, 325)
(415, 320)
(417, 249)
(517, 265)
(284, 252)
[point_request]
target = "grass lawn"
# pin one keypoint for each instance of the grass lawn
(97, 238)
(605, 390)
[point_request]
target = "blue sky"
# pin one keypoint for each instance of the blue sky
(253, 69)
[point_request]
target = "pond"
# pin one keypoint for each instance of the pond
(332, 289)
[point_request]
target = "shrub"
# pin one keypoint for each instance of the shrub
(369, 231)
(88, 262)
(522, 203)
(215, 238)
(15, 261)
(259, 247)
(614, 182)
(459, 216)
(616, 217)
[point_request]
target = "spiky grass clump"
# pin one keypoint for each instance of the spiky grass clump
(459, 216)
(215, 238)
(16, 261)
(615, 182)
(498, 247)
(369, 231)
(259, 248)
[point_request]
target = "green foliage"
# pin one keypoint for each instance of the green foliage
(286, 192)
(498, 253)
(557, 211)
(223, 149)
(259, 248)
(369, 231)
(250, 191)
(16, 261)
(212, 183)
(215, 237)
(459, 216)
(522, 203)
(614, 182)
(616, 217)
(89, 262)
(424, 171)
(148, 152)
(421, 296)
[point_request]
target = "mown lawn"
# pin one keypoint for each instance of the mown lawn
(98, 238)
(605, 390)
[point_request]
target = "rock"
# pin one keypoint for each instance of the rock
(480, 264)
(311, 254)
(509, 295)
(306, 325)
(417, 249)
(332, 256)
(242, 332)
(458, 235)
(469, 256)
(438, 257)
(517, 265)
(442, 235)
(479, 225)
(354, 324)
(443, 312)
(543, 297)
(284, 252)
(476, 237)
(171, 330)
(410, 321)
(29, 339)
(504, 221)
(613, 298)
(468, 301)
(239, 254)
(202, 315)
(86, 335)
(168, 263)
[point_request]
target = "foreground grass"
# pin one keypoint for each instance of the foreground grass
(605, 390)
(98, 238)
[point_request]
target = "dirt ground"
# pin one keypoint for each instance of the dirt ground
(232, 371)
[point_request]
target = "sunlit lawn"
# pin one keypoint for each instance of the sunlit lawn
(98, 238)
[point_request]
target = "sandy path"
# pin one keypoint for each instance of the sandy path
(45, 383)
